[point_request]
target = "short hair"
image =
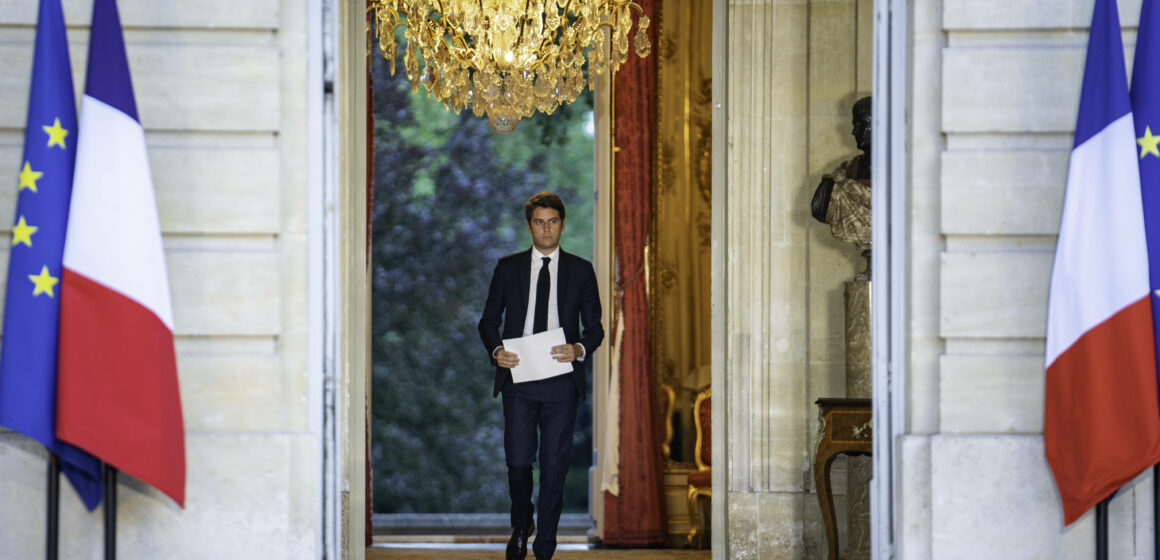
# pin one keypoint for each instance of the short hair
(543, 200)
(861, 108)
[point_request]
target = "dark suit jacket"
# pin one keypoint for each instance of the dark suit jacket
(577, 301)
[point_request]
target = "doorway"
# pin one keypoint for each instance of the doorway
(447, 204)
(341, 444)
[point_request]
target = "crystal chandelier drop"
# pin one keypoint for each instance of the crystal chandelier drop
(508, 58)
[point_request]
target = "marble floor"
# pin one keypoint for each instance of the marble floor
(482, 540)
(452, 552)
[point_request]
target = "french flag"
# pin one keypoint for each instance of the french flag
(1101, 419)
(117, 394)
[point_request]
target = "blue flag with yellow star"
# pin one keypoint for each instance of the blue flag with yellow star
(28, 354)
(1145, 96)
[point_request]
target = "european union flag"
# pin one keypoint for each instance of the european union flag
(28, 357)
(1146, 109)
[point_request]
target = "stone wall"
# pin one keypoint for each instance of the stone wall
(221, 89)
(994, 90)
(840, 50)
(795, 67)
(766, 284)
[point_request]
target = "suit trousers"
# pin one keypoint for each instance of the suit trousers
(549, 407)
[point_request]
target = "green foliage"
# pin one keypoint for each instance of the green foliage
(448, 202)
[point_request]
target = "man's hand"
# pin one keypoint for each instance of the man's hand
(566, 352)
(507, 359)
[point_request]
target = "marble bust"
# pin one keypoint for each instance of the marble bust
(842, 199)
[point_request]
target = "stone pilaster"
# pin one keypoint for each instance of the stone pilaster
(765, 278)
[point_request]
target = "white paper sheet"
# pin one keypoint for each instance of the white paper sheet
(535, 351)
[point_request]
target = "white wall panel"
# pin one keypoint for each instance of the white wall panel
(177, 86)
(993, 497)
(991, 393)
(237, 503)
(1017, 192)
(220, 14)
(994, 294)
(231, 392)
(1029, 14)
(216, 293)
(200, 189)
(223, 293)
(1011, 89)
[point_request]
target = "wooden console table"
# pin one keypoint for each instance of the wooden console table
(846, 429)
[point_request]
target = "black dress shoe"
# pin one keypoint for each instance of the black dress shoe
(517, 548)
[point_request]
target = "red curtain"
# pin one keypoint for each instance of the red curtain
(637, 516)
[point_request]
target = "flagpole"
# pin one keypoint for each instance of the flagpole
(1155, 511)
(1102, 529)
(52, 522)
(110, 512)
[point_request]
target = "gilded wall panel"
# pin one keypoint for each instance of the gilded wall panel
(680, 233)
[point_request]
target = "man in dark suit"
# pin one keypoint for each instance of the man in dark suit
(540, 289)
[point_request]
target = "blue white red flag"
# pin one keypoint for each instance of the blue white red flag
(118, 396)
(28, 358)
(1100, 352)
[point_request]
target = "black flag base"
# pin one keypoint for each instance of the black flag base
(110, 512)
(52, 522)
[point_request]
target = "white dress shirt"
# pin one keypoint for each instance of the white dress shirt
(553, 311)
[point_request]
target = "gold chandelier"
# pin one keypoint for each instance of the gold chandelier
(508, 58)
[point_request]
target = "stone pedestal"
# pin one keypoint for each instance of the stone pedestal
(859, 370)
(859, 377)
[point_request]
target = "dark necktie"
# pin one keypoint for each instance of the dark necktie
(543, 286)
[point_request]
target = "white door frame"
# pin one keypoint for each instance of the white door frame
(890, 261)
(337, 268)
(603, 259)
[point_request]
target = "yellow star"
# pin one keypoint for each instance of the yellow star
(28, 178)
(22, 232)
(56, 134)
(44, 282)
(1148, 143)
